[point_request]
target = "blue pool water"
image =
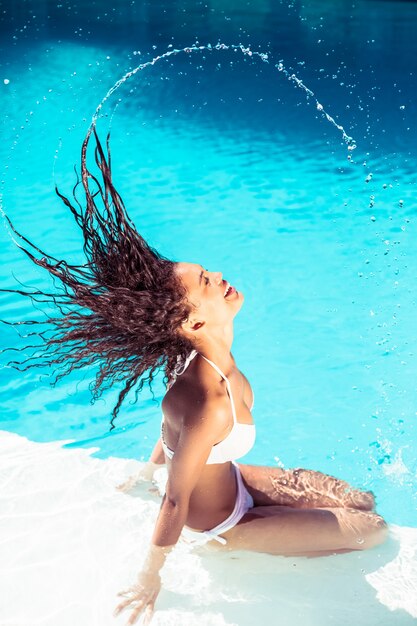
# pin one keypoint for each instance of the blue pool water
(222, 161)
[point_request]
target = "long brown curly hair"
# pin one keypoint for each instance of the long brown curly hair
(120, 311)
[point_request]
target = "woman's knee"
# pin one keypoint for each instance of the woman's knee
(365, 529)
(378, 530)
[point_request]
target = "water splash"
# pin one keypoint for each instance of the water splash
(246, 51)
(350, 142)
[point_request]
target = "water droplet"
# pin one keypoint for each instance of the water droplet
(360, 540)
(402, 107)
(6, 81)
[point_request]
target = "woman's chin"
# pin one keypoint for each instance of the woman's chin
(239, 301)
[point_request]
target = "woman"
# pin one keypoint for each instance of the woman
(131, 312)
(207, 424)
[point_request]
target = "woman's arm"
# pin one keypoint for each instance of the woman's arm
(196, 440)
(146, 472)
(157, 455)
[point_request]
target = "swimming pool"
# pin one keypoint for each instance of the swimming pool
(222, 161)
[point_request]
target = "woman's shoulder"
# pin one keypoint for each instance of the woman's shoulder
(193, 399)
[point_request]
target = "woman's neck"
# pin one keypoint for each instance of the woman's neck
(216, 346)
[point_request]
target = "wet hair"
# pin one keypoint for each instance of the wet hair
(120, 311)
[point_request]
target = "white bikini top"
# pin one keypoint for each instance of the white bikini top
(237, 443)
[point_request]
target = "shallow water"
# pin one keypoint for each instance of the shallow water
(222, 161)
(66, 522)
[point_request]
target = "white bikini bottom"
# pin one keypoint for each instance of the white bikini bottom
(244, 502)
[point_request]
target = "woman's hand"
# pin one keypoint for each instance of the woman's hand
(145, 474)
(141, 597)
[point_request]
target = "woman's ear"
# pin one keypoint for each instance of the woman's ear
(191, 326)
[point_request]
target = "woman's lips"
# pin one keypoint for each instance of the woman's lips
(230, 292)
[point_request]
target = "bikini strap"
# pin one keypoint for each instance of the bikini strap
(181, 367)
(226, 380)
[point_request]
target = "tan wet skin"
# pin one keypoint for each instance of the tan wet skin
(213, 496)
(296, 512)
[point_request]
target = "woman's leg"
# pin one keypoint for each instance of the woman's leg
(291, 531)
(301, 488)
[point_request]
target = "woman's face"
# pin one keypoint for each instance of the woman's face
(214, 300)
